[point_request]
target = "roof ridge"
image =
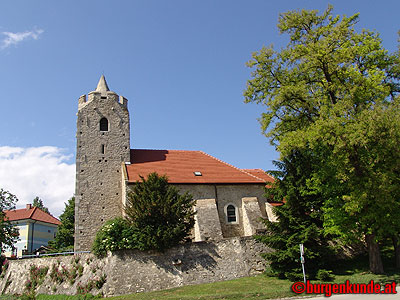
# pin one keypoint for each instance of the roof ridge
(168, 150)
(265, 172)
(48, 213)
(34, 213)
(33, 210)
(232, 166)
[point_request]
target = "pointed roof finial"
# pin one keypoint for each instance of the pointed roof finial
(102, 85)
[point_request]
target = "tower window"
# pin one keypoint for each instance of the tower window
(231, 213)
(103, 149)
(103, 124)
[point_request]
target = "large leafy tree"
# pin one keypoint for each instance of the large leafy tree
(8, 233)
(333, 91)
(65, 233)
(37, 202)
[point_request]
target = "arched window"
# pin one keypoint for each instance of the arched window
(231, 213)
(103, 124)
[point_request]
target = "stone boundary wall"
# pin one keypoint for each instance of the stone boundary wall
(134, 271)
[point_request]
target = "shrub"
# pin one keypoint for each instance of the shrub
(101, 281)
(55, 275)
(163, 216)
(115, 234)
(324, 275)
(59, 276)
(4, 266)
(158, 218)
(36, 278)
(292, 276)
(84, 289)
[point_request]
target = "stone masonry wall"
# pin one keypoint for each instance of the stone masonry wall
(134, 271)
(251, 216)
(225, 194)
(207, 222)
(99, 154)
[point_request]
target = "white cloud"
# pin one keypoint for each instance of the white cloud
(39, 171)
(12, 38)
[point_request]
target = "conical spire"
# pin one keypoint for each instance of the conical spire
(102, 85)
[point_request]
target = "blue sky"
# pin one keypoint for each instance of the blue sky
(181, 65)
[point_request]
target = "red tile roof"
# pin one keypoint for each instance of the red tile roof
(260, 173)
(276, 203)
(32, 213)
(180, 165)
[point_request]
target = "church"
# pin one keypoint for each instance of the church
(230, 201)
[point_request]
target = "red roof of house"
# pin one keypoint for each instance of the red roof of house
(180, 167)
(32, 213)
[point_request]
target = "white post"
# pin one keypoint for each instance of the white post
(302, 261)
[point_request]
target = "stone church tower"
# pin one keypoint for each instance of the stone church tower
(102, 147)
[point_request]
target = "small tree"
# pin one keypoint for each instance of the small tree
(300, 221)
(163, 216)
(65, 232)
(37, 202)
(157, 217)
(8, 233)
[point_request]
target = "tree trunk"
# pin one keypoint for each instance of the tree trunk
(396, 245)
(375, 260)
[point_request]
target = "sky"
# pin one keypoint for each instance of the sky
(180, 64)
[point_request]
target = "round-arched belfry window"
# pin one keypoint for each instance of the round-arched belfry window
(103, 124)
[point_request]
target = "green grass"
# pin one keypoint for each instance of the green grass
(251, 288)
(259, 287)
(357, 271)
(264, 287)
(49, 297)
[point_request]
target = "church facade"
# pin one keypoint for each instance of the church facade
(229, 200)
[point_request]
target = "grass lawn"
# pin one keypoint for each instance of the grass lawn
(250, 288)
(259, 287)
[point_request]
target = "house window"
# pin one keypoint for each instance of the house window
(231, 214)
(103, 124)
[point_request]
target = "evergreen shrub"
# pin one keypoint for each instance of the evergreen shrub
(157, 218)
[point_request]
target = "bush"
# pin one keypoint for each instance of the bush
(157, 218)
(324, 275)
(293, 276)
(115, 234)
(163, 216)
